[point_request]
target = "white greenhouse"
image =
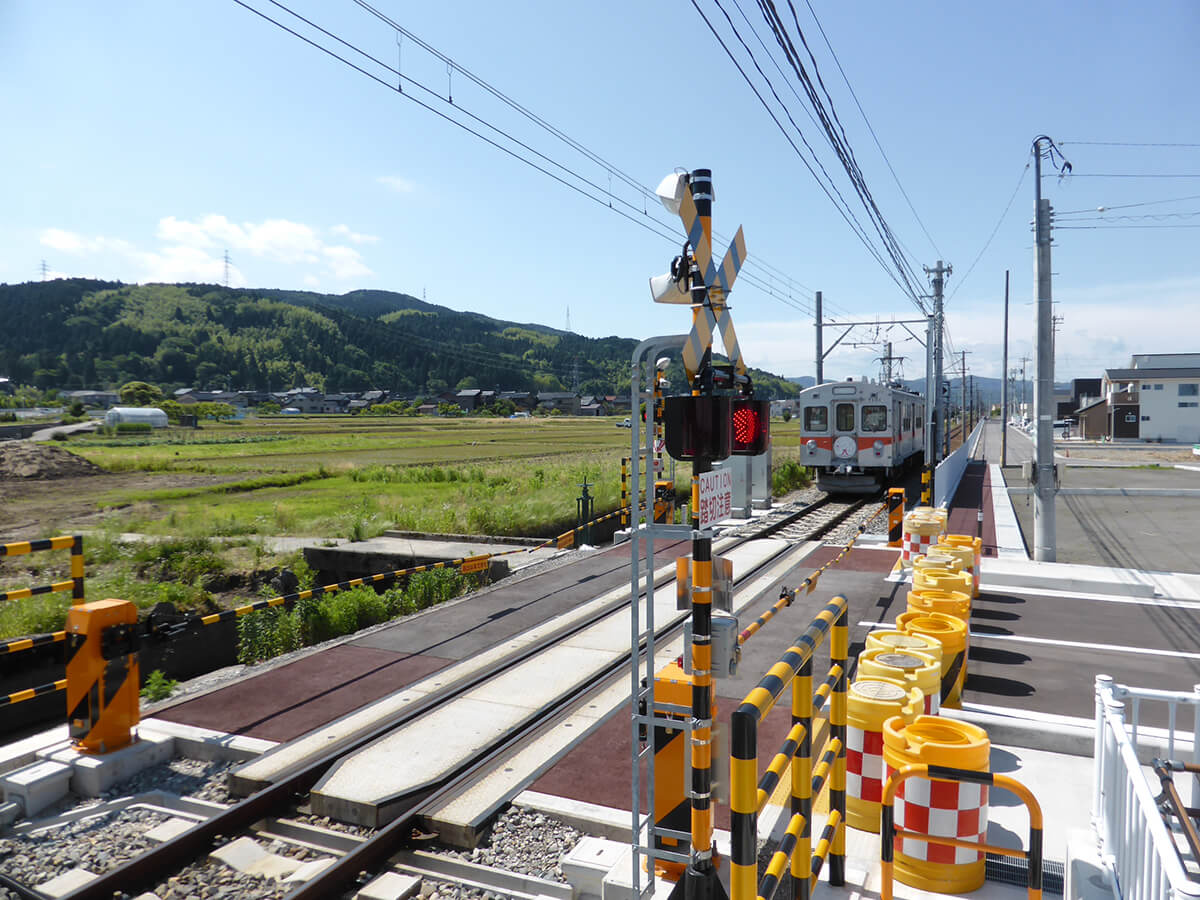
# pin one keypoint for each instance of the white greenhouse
(149, 415)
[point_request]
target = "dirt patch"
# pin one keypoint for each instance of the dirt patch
(1136, 454)
(34, 508)
(25, 459)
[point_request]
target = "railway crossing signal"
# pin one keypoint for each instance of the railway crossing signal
(720, 418)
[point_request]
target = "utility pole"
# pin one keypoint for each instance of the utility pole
(1044, 474)
(45, 270)
(930, 416)
(939, 273)
(1004, 384)
(820, 348)
(962, 425)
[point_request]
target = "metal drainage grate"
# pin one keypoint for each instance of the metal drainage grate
(1015, 871)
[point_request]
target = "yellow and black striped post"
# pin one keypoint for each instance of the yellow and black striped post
(72, 542)
(839, 651)
(895, 507)
(624, 489)
(927, 486)
(802, 712)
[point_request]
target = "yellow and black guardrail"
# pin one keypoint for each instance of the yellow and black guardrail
(809, 584)
(748, 794)
(72, 542)
(467, 565)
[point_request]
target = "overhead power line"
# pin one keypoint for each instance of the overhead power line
(988, 242)
(1102, 207)
(871, 129)
(1133, 175)
(639, 215)
(1130, 144)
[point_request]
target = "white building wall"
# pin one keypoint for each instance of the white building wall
(1162, 416)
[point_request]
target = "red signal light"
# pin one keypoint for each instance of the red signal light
(751, 426)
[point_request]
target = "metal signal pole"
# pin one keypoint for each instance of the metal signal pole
(820, 348)
(1004, 384)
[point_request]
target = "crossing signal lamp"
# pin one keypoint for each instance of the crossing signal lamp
(698, 427)
(750, 421)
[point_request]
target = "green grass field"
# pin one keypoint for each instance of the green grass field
(328, 477)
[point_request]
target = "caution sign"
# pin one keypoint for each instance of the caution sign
(716, 497)
(473, 564)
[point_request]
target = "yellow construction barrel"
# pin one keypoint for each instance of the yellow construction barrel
(942, 580)
(953, 809)
(923, 526)
(870, 702)
(898, 640)
(951, 633)
(965, 551)
(952, 603)
(910, 667)
(923, 562)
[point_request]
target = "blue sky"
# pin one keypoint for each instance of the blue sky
(144, 139)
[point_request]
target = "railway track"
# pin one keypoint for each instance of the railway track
(287, 798)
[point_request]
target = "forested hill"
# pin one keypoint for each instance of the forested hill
(84, 334)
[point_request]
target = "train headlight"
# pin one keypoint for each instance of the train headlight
(879, 448)
(810, 445)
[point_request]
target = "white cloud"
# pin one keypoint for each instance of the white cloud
(354, 237)
(345, 262)
(397, 183)
(194, 250)
(311, 281)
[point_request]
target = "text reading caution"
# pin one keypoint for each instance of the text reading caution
(716, 497)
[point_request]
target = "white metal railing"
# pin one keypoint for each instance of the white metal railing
(1132, 831)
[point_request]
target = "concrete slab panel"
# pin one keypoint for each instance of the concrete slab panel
(539, 680)
(68, 881)
(390, 886)
(309, 870)
(169, 830)
(93, 775)
(205, 743)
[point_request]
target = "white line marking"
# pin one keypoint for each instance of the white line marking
(1114, 648)
(1049, 593)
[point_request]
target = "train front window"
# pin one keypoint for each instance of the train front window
(816, 418)
(845, 417)
(874, 418)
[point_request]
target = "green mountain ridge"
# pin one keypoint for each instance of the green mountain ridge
(76, 334)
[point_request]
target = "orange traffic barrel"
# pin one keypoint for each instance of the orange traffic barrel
(934, 559)
(952, 603)
(910, 667)
(898, 640)
(951, 809)
(942, 580)
(871, 702)
(967, 550)
(923, 525)
(951, 633)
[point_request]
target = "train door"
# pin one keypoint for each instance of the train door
(845, 442)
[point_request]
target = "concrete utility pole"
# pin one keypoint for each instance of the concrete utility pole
(963, 387)
(930, 410)
(820, 348)
(1044, 474)
(1004, 384)
(939, 273)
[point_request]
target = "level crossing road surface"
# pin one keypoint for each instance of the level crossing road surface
(288, 700)
(1136, 518)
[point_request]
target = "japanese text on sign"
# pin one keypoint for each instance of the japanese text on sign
(716, 497)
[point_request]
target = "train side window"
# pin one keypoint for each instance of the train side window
(907, 424)
(816, 418)
(874, 418)
(845, 417)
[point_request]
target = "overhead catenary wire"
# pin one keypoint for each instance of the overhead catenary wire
(1130, 144)
(871, 129)
(649, 223)
(637, 213)
(829, 188)
(1105, 207)
(838, 142)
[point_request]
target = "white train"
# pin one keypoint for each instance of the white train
(859, 435)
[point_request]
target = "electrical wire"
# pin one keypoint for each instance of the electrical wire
(1111, 227)
(836, 136)
(662, 230)
(1128, 144)
(846, 214)
(988, 242)
(871, 129)
(1132, 175)
(1103, 208)
(1156, 216)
